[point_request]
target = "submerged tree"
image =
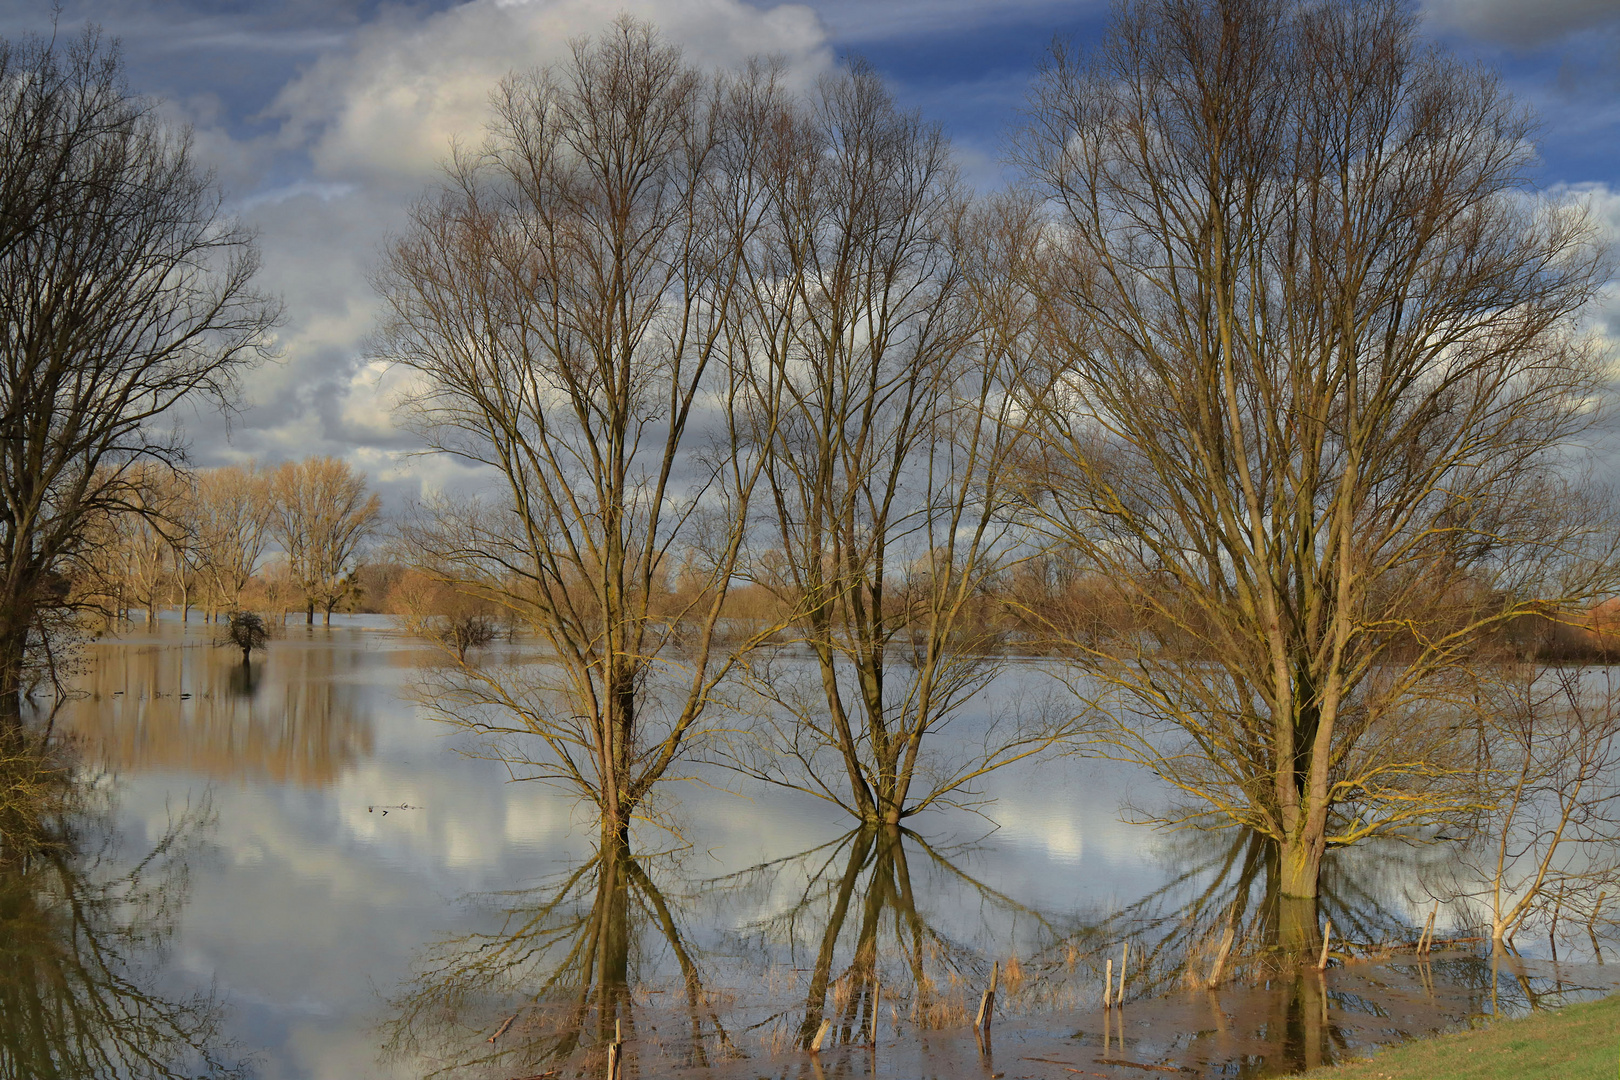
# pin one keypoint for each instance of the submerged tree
(566, 302)
(124, 290)
(1313, 377)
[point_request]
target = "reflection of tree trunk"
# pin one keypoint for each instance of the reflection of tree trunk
(888, 890)
(1307, 1035)
(612, 958)
(821, 974)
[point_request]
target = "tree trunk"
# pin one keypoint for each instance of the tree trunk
(1299, 862)
(309, 614)
(13, 648)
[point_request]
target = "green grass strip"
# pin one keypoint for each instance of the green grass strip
(1577, 1042)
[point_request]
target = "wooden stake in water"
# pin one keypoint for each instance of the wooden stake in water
(1108, 986)
(987, 1003)
(1428, 930)
(821, 1035)
(615, 1057)
(1327, 936)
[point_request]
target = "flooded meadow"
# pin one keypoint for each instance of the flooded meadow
(288, 870)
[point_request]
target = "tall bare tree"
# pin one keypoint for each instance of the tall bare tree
(322, 517)
(566, 300)
(123, 291)
(1314, 377)
(890, 461)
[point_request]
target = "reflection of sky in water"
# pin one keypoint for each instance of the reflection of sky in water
(313, 903)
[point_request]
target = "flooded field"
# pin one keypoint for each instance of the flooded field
(288, 871)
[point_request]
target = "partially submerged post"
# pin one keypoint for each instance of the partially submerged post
(987, 1003)
(615, 1054)
(1327, 936)
(1108, 986)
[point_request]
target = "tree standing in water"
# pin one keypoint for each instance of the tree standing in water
(566, 300)
(124, 290)
(1314, 372)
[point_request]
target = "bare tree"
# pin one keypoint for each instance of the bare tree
(322, 517)
(123, 291)
(136, 561)
(566, 300)
(889, 458)
(228, 517)
(1313, 378)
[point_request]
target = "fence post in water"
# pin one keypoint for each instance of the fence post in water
(987, 1003)
(1327, 936)
(1108, 986)
(1428, 930)
(615, 1057)
(821, 1034)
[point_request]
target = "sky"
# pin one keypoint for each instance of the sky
(323, 119)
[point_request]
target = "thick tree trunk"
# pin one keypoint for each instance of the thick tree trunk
(1299, 863)
(13, 651)
(309, 614)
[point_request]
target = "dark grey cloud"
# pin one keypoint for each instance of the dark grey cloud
(1523, 23)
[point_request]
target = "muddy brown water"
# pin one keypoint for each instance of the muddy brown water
(289, 871)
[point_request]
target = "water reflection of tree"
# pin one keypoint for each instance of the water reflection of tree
(77, 934)
(1221, 881)
(558, 980)
(1272, 1014)
(294, 718)
(858, 911)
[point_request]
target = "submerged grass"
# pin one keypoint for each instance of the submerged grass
(1576, 1042)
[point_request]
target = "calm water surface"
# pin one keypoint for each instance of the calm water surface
(344, 889)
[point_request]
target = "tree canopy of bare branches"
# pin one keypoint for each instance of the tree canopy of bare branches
(228, 518)
(564, 300)
(1313, 377)
(123, 291)
(889, 456)
(322, 517)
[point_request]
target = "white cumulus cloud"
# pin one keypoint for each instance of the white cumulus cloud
(388, 107)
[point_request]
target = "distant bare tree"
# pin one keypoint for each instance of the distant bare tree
(322, 517)
(566, 300)
(123, 291)
(1314, 377)
(138, 561)
(228, 519)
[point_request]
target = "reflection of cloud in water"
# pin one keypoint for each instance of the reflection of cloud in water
(311, 906)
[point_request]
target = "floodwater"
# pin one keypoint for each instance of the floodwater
(291, 872)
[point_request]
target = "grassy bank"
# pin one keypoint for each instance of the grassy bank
(1578, 1042)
